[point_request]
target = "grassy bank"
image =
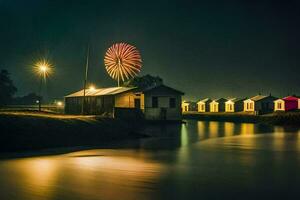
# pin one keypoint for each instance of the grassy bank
(33, 130)
(280, 118)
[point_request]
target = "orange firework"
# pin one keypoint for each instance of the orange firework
(122, 61)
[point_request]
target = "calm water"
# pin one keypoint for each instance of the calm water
(198, 160)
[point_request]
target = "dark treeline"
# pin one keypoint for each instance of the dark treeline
(8, 91)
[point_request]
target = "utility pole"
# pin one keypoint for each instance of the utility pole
(85, 80)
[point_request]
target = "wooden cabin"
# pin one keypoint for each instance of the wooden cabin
(287, 103)
(259, 104)
(156, 103)
(185, 106)
(203, 105)
(162, 103)
(217, 105)
(188, 106)
(234, 105)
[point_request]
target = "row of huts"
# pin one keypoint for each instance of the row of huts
(258, 104)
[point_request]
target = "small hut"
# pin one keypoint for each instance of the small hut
(188, 106)
(234, 105)
(203, 105)
(162, 103)
(217, 105)
(259, 104)
(287, 103)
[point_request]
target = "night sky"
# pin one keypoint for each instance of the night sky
(204, 48)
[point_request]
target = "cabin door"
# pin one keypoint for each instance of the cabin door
(137, 103)
(163, 113)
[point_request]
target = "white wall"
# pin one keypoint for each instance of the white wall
(229, 107)
(163, 102)
(214, 106)
(279, 105)
(201, 107)
(250, 107)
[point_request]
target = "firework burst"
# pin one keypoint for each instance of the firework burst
(122, 61)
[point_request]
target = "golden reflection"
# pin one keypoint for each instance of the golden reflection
(38, 174)
(83, 175)
(229, 129)
(247, 129)
(278, 129)
(213, 128)
(106, 174)
(184, 136)
(201, 129)
(279, 141)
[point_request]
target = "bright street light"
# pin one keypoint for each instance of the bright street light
(43, 68)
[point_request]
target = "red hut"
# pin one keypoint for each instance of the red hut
(287, 103)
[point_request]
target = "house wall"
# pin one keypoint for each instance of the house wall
(126, 100)
(291, 105)
(214, 107)
(185, 107)
(201, 107)
(163, 111)
(238, 106)
(264, 106)
(93, 105)
(73, 105)
(249, 106)
(229, 107)
(279, 105)
(221, 106)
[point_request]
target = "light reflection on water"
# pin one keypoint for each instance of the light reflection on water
(195, 160)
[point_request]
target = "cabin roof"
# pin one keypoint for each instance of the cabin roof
(258, 97)
(149, 89)
(188, 102)
(291, 98)
(204, 100)
(220, 100)
(279, 100)
(261, 97)
(101, 91)
(236, 99)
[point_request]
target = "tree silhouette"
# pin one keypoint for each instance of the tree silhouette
(143, 82)
(7, 88)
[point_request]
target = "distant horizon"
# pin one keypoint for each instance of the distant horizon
(186, 96)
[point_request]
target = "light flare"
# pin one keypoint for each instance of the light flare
(43, 68)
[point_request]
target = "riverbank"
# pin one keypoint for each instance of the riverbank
(37, 130)
(278, 118)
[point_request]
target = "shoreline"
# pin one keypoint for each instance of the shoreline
(278, 118)
(29, 131)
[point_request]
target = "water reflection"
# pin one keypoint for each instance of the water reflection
(247, 129)
(229, 129)
(90, 174)
(191, 161)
